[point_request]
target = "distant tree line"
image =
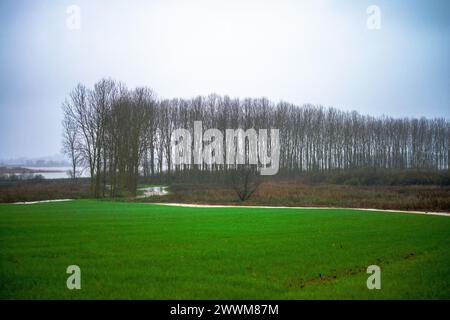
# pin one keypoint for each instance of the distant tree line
(119, 134)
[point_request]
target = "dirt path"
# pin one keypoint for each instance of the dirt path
(43, 201)
(445, 214)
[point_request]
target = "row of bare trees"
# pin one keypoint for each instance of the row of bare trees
(118, 134)
(107, 129)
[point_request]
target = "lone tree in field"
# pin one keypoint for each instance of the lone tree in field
(245, 180)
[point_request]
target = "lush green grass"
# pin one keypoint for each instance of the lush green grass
(130, 250)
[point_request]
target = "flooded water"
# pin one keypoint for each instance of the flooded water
(152, 191)
(50, 172)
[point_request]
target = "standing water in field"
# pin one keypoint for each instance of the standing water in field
(152, 191)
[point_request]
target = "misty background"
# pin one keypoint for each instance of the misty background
(318, 52)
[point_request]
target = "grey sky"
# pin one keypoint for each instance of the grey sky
(313, 51)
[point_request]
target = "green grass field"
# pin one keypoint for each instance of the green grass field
(145, 251)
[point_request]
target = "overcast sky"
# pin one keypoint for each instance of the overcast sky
(315, 51)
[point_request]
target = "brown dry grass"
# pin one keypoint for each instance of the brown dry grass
(45, 190)
(270, 193)
(431, 198)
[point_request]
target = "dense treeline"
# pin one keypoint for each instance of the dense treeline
(120, 133)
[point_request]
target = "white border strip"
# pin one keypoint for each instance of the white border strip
(444, 214)
(43, 201)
